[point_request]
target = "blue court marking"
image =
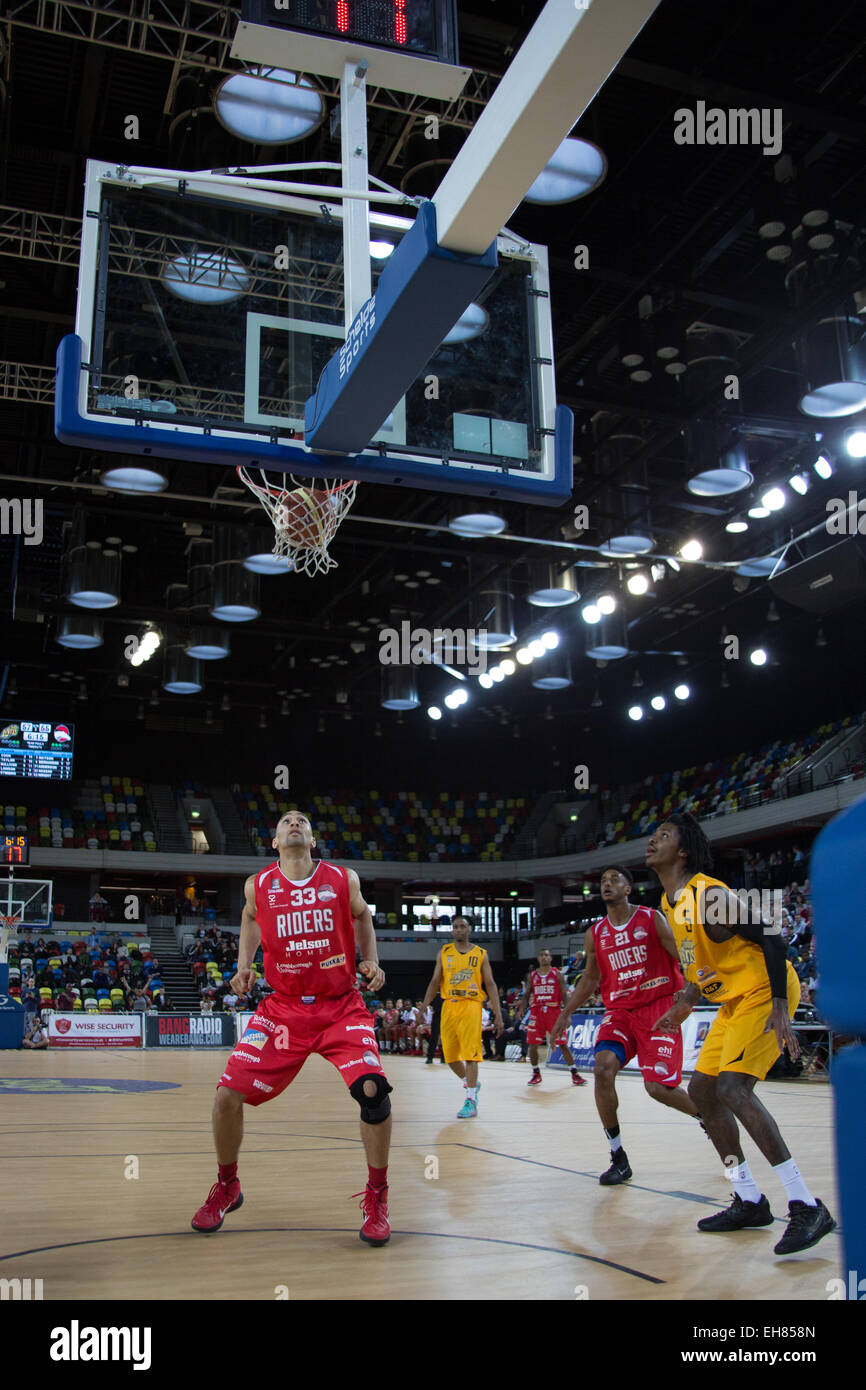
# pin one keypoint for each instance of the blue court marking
(344, 1231)
(41, 1085)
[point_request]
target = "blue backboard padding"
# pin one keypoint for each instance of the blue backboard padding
(158, 440)
(421, 294)
(836, 872)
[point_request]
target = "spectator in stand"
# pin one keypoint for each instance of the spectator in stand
(435, 1025)
(100, 976)
(486, 1031)
(511, 1033)
(151, 967)
(230, 1003)
(65, 1000)
(390, 1021)
(157, 991)
(30, 1001)
(206, 1005)
(423, 1019)
(94, 942)
(138, 1001)
(798, 869)
(98, 906)
(36, 1035)
(407, 1019)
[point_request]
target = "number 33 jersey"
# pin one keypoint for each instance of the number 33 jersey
(308, 932)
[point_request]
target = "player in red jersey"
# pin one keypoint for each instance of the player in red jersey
(632, 957)
(543, 993)
(310, 919)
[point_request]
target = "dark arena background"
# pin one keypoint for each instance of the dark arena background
(606, 562)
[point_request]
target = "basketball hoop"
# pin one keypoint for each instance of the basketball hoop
(305, 518)
(9, 923)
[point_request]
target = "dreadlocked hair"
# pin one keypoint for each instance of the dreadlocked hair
(699, 857)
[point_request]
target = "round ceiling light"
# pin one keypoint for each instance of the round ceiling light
(574, 170)
(269, 110)
(471, 324)
(133, 480)
(206, 277)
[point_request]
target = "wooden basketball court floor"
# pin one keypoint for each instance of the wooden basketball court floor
(516, 1211)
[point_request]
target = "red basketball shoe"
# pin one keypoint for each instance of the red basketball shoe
(535, 1078)
(222, 1198)
(376, 1229)
(577, 1079)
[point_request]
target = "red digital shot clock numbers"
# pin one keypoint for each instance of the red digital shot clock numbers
(15, 850)
(426, 28)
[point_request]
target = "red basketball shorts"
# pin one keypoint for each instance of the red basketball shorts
(540, 1023)
(630, 1032)
(282, 1034)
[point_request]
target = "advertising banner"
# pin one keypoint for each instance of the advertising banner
(189, 1030)
(97, 1030)
(584, 1026)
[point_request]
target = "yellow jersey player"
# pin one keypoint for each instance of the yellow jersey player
(462, 976)
(734, 958)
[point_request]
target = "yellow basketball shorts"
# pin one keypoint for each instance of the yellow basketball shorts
(737, 1041)
(460, 1030)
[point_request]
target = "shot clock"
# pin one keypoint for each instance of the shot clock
(425, 28)
(14, 851)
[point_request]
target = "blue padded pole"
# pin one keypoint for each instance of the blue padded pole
(837, 894)
(422, 292)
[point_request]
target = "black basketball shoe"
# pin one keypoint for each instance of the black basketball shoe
(738, 1216)
(806, 1226)
(619, 1171)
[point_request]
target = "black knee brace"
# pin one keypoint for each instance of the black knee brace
(374, 1109)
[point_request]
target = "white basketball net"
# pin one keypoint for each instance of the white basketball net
(305, 517)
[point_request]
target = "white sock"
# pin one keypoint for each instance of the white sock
(471, 1092)
(616, 1143)
(789, 1176)
(743, 1183)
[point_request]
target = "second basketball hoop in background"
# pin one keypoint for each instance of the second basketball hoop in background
(305, 518)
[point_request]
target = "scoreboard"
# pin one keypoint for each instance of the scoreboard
(30, 748)
(425, 28)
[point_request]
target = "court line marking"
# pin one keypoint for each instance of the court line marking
(344, 1230)
(637, 1187)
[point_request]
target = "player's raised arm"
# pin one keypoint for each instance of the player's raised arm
(435, 984)
(365, 934)
(583, 990)
(492, 994)
(249, 943)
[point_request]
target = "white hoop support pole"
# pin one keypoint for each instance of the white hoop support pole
(565, 59)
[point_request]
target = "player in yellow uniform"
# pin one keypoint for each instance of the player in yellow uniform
(734, 958)
(462, 975)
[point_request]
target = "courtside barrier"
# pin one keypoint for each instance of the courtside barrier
(102, 1030)
(583, 1031)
